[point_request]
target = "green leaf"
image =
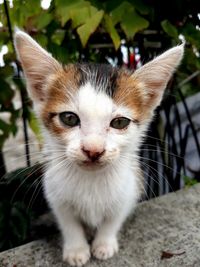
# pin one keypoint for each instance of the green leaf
(23, 11)
(169, 29)
(59, 52)
(65, 9)
(190, 61)
(4, 126)
(110, 28)
(58, 36)
(42, 20)
(89, 27)
(20, 221)
(79, 18)
(4, 37)
(189, 181)
(118, 13)
(142, 7)
(41, 39)
(192, 35)
(6, 71)
(5, 130)
(107, 5)
(133, 23)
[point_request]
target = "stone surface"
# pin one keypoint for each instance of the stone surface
(168, 224)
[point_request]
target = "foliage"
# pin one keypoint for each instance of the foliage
(6, 105)
(20, 201)
(82, 30)
(189, 182)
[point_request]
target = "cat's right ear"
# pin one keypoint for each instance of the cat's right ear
(38, 65)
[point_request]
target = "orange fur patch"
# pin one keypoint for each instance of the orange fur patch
(59, 85)
(129, 94)
(132, 93)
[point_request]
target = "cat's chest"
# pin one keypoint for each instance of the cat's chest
(93, 200)
(91, 205)
(91, 196)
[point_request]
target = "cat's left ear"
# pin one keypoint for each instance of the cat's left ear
(153, 77)
(38, 65)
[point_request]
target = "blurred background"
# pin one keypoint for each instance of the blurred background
(121, 33)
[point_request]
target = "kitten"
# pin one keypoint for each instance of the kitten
(94, 118)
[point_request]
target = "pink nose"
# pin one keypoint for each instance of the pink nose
(94, 154)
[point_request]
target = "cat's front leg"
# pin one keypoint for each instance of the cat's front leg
(76, 250)
(105, 244)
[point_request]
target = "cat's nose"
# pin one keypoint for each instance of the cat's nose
(93, 154)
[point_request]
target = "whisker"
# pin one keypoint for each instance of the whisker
(161, 150)
(32, 200)
(24, 181)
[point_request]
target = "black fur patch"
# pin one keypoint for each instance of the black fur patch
(101, 76)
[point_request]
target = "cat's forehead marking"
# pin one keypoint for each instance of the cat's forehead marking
(101, 76)
(118, 84)
(94, 103)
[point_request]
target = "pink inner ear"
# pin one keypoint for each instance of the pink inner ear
(38, 91)
(156, 74)
(155, 85)
(36, 83)
(154, 91)
(36, 62)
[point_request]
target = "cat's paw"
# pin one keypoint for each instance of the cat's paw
(77, 256)
(104, 249)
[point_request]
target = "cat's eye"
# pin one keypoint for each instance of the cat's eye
(69, 119)
(120, 123)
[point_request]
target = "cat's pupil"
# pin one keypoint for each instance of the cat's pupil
(120, 123)
(69, 119)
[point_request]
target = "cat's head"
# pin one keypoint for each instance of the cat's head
(96, 113)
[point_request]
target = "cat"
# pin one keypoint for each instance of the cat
(94, 118)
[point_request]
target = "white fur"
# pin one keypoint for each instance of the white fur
(101, 197)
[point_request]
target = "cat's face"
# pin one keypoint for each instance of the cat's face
(96, 113)
(83, 111)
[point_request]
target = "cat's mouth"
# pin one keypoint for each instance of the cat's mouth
(88, 164)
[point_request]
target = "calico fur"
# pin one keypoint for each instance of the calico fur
(103, 193)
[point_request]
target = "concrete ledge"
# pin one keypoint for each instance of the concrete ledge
(163, 232)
